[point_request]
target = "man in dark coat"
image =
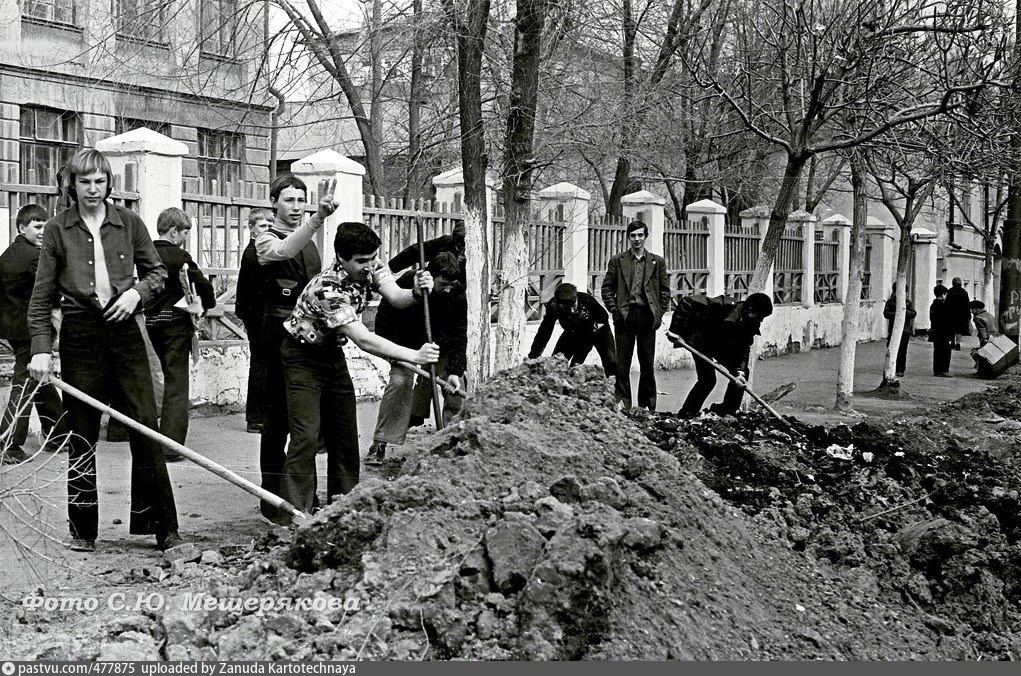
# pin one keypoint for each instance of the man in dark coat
(889, 311)
(957, 302)
(586, 324)
(941, 332)
(248, 306)
(636, 291)
(724, 330)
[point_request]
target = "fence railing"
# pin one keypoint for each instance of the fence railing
(685, 248)
(605, 239)
(740, 253)
(394, 221)
(827, 270)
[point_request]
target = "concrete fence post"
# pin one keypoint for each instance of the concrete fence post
(715, 215)
(647, 207)
(157, 161)
(807, 223)
(924, 244)
(883, 264)
(329, 164)
(574, 203)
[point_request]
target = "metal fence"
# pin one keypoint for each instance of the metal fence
(827, 270)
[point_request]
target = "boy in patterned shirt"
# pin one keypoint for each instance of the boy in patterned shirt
(320, 394)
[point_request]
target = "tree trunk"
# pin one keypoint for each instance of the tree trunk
(782, 207)
(900, 318)
(412, 176)
(852, 299)
(517, 181)
(471, 38)
(628, 124)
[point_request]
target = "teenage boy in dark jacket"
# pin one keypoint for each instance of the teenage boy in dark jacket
(585, 324)
(942, 329)
(248, 306)
(723, 330)
(402, 400)
(170, 326)
(452, 243)
(17, 276)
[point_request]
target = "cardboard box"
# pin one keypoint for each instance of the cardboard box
(995, 357)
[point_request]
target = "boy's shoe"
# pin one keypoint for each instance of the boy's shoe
(900, 374)
(169, 541)
(12, 455)
(56, 444)
(81, 545)
(416, 421)
(253, 428)
(945, 374)
(170, 456)
(377, 453)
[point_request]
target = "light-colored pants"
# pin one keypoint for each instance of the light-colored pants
(403, 397)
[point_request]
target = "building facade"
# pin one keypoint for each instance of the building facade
(73, 72)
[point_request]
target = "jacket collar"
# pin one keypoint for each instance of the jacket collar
(71, 216)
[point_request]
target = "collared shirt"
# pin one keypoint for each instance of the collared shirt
(638, 279)
(67, 267)
(332, 299)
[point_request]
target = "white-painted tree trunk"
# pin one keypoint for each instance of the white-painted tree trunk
(510, 314)
(852, 297)
(478, 281)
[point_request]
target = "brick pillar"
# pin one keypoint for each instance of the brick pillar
(328, 165)
(157, 161)
(571, 204)
(715, 216)
(647, 207)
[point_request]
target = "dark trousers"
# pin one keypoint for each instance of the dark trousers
(46, 401)
(942, 347)
(172, 344)
(902, 352)
(256, 399)
(321, 399)
(273, 441)
(636, 330)
(704, 386)
(423, 396)
(108, 361)
(576, 348)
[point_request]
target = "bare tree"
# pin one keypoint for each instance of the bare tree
(852, 297)
(470, 21)
(806, 64)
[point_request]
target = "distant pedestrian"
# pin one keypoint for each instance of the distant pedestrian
(585, 324)
(957, 306)
(636, 291)
(889, 310)
(985, 322)
(941, 332)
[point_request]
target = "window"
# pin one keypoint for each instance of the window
(220, 27)
(48, 140)
(126, 124)
(220, 156)
(51, 11)
(144, 20)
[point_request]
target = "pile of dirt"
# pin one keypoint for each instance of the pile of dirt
(927, 507)
(543, 524)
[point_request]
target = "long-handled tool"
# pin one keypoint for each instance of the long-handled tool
(437, 407)
(445, 384)
(198, 459)
(677, 340)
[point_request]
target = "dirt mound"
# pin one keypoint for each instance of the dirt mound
(926, 506)
(543, 525)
